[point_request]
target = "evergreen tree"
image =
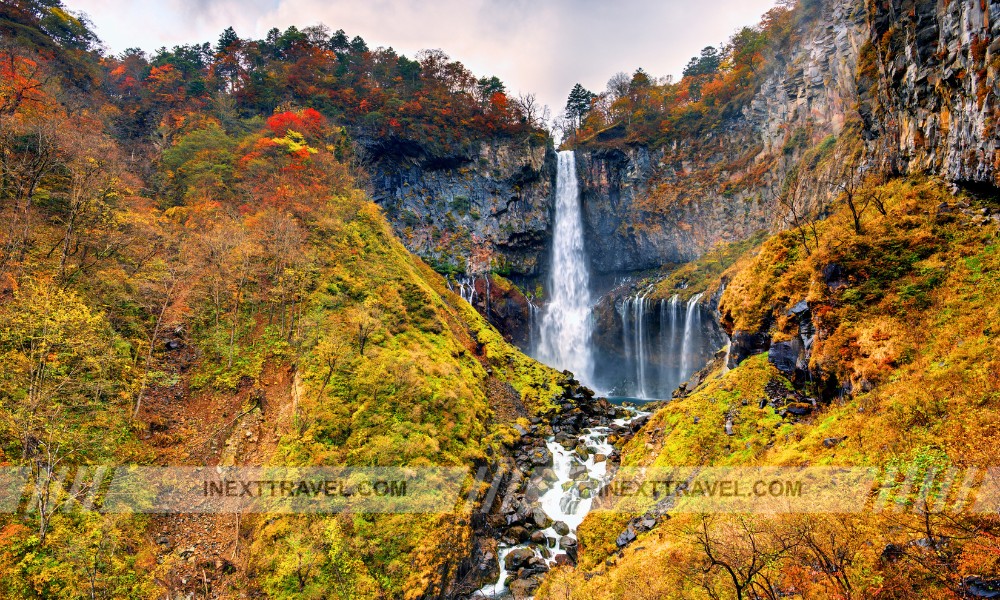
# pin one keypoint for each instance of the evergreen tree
(705, 64)
(227, 40)
(578, 104)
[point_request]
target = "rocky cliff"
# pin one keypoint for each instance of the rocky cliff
(919, 79)
(488, 209)
(928, 85)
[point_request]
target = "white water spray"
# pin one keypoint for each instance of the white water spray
(564, 335)
(692, 327)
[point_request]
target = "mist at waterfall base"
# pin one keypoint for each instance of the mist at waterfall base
(653, 346)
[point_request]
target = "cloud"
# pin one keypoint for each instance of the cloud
(541, 46)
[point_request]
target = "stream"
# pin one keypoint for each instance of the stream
(566, 503)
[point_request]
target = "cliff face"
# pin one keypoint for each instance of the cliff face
(919, 77)
(928, 84)
(472, 212)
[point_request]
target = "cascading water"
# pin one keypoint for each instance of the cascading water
(639, 308)
(668, 338)
(563, 501)
(564, 336)
(692, 328)
(663, 343)
(466, 288)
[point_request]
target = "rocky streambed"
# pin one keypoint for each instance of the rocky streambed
(559, 469)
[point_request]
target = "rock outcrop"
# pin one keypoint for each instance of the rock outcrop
(483, 210)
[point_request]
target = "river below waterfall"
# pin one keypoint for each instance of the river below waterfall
(578, 476)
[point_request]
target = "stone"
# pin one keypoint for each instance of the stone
(563, 560)
(577, 471)
(799, 309)
(599, 458)
(569, 545)
(891, 553)
(541, 457)
(522, 589)
(785, 355)
(538, 538)
(832, 442)
(626, 537)
(744, 344)
(977, 587)
(834, 276)
(561, 528)
(799, 409)
(516, 535)
(517, 558)
(729, 427)
(539, 518)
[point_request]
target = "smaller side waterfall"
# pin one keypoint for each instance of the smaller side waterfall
(639, 308)
(663, 342)
(668, 340)
(466, 288)
(692, 327)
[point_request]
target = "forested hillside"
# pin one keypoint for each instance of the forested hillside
(191, 273)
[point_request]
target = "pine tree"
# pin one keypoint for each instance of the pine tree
(578, 104)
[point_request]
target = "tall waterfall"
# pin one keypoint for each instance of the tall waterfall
(564, 336)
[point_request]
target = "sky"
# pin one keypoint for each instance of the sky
(534, 46)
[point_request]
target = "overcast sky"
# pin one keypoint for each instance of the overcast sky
(540, 46)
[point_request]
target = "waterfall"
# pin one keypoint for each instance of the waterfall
(467, 288)
(668, 341)
(565, 331)
(626, 337)
(639, 306)
(532, 326)
(692, 326)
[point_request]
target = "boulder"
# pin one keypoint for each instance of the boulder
(539, 518)
(891, 553)
(626, 537)
(517, 558)
(977, 587)
(569, 545)
(516, 535)
(799, 309)
(522, 589)
(745, 344)
(785, 355)
(541, 457)
(577, 471)
(799, 409)
(563, 560)
(561, 528)
(834, 276)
